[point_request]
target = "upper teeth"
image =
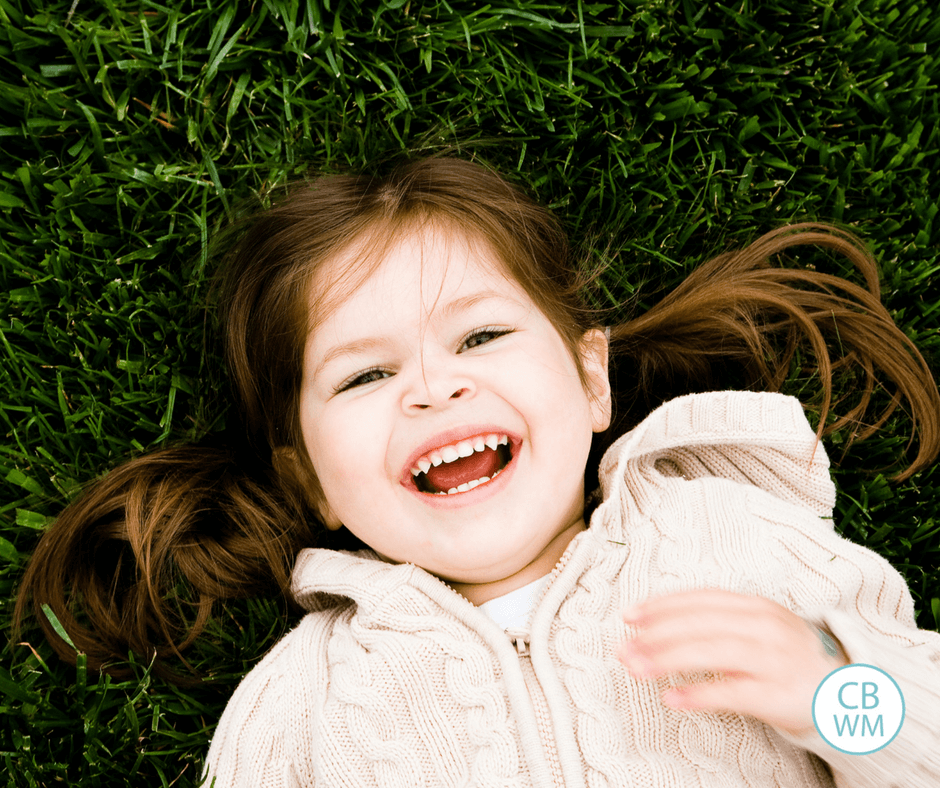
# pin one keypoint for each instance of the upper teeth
(457, 450)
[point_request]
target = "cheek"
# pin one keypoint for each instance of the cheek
(554, 383)
(333, 454)
(347, 451)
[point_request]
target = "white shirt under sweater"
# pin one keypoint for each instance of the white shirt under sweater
(393, 679)
(512, 611)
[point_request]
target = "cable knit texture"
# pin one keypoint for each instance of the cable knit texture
(395, 680)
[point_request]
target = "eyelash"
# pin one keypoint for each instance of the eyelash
(360, 378)
(478, 332)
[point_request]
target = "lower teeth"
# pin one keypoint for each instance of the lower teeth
(470, 485)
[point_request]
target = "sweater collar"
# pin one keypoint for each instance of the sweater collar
(324, 578)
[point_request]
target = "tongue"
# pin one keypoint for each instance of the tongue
(448, 475)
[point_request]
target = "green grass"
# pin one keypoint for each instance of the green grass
(662, 129)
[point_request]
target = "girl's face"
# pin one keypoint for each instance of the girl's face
(437, 356)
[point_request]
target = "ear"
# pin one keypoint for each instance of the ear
(593, 349)
(302, 480)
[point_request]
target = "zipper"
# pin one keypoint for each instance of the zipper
(543, 719)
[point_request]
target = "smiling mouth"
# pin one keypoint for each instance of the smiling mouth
(463, 466)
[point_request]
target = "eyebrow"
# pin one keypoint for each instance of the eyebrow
(469, 301)
(348, 349)
(447, 312)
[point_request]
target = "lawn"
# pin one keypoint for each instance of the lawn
(661, 131)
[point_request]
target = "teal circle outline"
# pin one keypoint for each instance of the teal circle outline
(859, 665)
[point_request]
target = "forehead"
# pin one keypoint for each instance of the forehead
(421, 267)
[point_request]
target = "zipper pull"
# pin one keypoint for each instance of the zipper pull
(521, 642)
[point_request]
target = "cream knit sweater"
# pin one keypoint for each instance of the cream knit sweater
(395, 680)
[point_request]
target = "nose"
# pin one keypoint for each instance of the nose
(436, 386)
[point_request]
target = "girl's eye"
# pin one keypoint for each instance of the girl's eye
(483, 335)
(362, 378)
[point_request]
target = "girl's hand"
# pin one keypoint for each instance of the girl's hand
(770, 660)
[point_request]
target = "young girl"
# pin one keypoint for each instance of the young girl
(422, 387)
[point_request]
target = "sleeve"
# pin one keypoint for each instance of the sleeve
(865, 603)
(763, 443)
(251, 746)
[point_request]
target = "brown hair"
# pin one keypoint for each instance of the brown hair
(179, 529)
(738, 311)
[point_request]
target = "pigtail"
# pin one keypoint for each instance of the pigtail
(738, 316)
(139, 560)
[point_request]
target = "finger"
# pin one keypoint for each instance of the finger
(664, 630)
(728, 654)
(734, 696)
(764, 640)
(759, 627)
(781, 709)
(707, 614)
(706, 618)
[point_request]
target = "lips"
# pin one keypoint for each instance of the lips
(459, 461)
